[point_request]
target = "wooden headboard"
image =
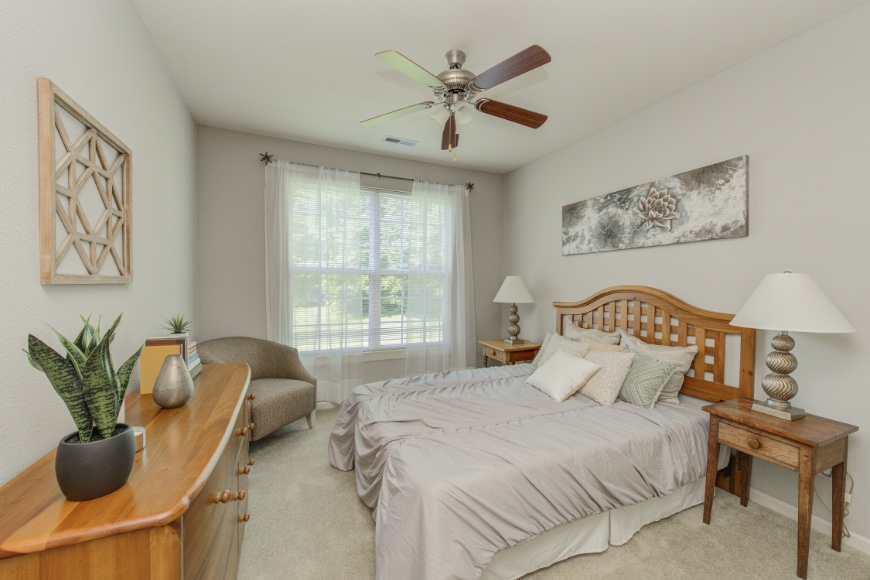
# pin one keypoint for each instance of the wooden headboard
(657, 317)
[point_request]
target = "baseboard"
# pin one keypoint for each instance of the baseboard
(819, 524)
(324, 405)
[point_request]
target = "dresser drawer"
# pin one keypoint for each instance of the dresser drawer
(492, 353)
(759, 445)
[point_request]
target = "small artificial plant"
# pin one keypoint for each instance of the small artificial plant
(85, 379)
(177, 324)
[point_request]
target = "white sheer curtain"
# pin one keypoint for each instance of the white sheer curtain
(440, 289)
(314, 289)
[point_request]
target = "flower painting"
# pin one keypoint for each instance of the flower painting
(709, 203)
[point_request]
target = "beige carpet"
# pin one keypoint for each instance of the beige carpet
(308, 523)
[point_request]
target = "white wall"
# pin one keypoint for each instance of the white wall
(231, 248)
(99, 53)
(801, 111)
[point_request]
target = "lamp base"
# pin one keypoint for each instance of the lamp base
(514, 340)
(776, 409)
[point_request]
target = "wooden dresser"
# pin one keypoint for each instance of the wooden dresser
(181, 514)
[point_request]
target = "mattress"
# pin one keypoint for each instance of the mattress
(494, 462)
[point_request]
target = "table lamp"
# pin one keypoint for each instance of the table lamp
(513, 290)
(787, 302)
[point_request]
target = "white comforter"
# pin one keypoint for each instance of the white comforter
(460, 465)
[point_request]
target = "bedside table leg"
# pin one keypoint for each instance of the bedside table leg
(742, 474)
(838, 497)
(712, 464)
(805, 510)
(485, 360)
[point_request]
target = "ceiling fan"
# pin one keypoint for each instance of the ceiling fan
(456, 86)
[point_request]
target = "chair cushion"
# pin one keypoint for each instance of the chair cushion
(279, 402)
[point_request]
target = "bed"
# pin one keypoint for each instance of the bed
(476, 474)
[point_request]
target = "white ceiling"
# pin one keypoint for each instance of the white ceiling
(305, 70)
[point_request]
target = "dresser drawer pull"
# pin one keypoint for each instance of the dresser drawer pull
(240, 495)
(245, 518)
(753, 443)
(223, 497)
(242, 432)
(252, 396)
(250, 461)
(250, 426)
(245, 470)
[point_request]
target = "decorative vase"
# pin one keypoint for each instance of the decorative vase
(173, 387)
(90, 470)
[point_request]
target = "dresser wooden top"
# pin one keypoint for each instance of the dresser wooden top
(811, 430)
(182, 448)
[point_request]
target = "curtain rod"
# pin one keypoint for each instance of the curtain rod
(266, 159)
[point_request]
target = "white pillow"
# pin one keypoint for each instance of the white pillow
(575, 332)
(561, 344)
(604, 386)
(562, 375)
(682, 356)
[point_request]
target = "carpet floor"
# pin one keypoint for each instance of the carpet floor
(308, 524)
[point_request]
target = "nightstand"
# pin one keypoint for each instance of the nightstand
(508, 353)
(807, 446)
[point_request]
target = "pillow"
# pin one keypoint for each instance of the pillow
(561, 344)
(541, 350)
(602, 347)
(681, 355)
(575, 332)
(562, 375)
(604, 386)
(645, 380)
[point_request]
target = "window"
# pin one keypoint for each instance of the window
(369, 268)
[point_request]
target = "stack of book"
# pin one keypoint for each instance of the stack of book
(194, 363)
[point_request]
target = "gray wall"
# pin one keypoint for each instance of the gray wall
(230, 266)
(100, 54)
(800, 111)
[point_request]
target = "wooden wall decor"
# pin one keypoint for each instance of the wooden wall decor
(85, 183)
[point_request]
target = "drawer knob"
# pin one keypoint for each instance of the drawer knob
(223, 497)
(250, 461)
(245, 470)
(754, 443)
(250, 426)
(252, 396)
(245, 518)
(242, 432)
(240, 495)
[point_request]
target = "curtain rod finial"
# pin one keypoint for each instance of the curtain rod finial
(266, 158)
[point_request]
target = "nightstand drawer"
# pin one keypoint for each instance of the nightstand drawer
(759, 445)
(492, 353)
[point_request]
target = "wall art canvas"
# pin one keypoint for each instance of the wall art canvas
(708, 203)
(85, 176)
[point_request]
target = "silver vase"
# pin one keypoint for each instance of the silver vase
(173, 386)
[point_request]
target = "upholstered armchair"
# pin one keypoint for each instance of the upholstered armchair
(283, 390)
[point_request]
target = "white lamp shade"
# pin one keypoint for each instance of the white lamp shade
(513, 291)
(791, 302)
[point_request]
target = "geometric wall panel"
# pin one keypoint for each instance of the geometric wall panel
(85, 193)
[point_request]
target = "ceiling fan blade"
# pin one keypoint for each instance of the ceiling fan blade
(449, 138)
(520, 63)
(510, 113)
(405, 65)
(396, 114)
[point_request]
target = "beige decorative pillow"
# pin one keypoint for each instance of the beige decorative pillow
(602, 347)
(682, 356)
(562, 375)
(604, 386)
(574, 332)
(544, 346)
(561, 344)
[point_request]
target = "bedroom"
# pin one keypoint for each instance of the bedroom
(796, 105)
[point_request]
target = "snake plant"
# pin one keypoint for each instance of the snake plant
(85, 379)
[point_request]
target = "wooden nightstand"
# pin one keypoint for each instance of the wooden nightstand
(508, 353)
(807, 446)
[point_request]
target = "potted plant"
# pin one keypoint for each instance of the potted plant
(98, 458)
(177, 324)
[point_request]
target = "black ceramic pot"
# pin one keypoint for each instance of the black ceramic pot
(97, 468)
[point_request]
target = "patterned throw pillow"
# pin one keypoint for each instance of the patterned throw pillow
(682, 356)
(561, 344)
(645, 380)
(604, 386)
(575, 332)
(544, 345)
(602, 347)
